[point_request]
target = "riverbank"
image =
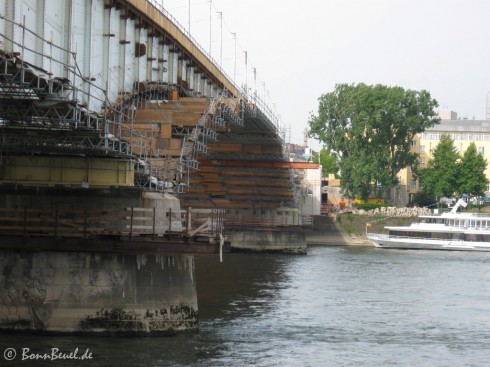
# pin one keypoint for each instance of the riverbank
(347, 229)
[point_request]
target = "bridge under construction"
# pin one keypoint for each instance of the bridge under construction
(120, 136)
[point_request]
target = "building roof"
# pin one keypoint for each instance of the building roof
(461, 125)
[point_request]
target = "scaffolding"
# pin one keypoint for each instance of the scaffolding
(41, 113)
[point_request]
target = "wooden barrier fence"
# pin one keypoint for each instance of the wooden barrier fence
(131, 221)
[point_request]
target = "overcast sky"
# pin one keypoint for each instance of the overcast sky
(300, 50)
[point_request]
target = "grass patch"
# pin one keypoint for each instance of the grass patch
(355, 224)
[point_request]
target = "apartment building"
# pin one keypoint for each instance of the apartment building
(462, 131)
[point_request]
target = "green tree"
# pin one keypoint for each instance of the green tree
(440, 176)
(328, 162)
(471, 179)
(423, 198)
(371, 129)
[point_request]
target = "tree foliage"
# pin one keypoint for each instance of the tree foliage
(423, 199)
(440, 176)
(448, 173)
(328, 162)
(371, 128)
(471, 178)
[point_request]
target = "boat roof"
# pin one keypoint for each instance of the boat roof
(482, 216)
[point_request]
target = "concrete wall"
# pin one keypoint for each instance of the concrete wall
(77, 292)
(313, 201)
(267, 241)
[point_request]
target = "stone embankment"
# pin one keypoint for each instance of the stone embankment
(393, 212)
(327, 232)
(348, 228)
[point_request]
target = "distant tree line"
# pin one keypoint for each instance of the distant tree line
(450, 174)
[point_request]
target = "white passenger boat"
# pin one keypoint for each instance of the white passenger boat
(448, 231)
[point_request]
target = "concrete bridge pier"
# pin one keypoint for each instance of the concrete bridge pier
(280, 230)
(83, 292)
(267, 240)
(64, 271)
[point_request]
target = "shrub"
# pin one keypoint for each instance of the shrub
(369, 206)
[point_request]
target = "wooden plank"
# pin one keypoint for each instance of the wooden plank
(139, 218)
(220, 148)
(186, 118)
(262, 164)
(146, 116)
(134, 226)
(166, 131)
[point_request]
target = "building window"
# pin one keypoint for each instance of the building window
(422, 160)
(413, 184)
(413, 143)
(422, 149)
(481, 150)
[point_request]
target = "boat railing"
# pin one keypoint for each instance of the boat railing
(430, 239)
(377, 235)
(383, 235)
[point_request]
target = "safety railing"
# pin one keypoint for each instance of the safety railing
(254, 99)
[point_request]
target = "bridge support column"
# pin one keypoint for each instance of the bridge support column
(263, 240)
(80, 292)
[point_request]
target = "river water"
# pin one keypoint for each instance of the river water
(336, 306)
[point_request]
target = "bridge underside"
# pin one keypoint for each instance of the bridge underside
(175, 125)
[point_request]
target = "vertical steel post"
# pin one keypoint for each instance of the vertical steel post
(154, 220)
(131, 223)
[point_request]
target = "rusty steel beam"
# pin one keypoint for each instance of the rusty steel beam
(259, 164)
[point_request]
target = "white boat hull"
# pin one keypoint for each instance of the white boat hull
(385, 241)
